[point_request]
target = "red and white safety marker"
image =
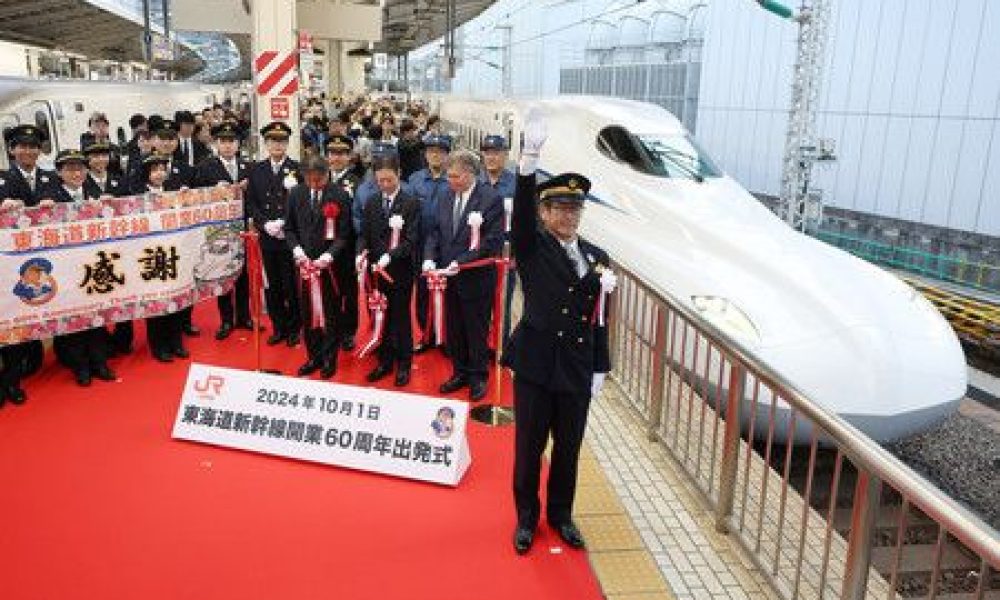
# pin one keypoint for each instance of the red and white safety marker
(277, 73)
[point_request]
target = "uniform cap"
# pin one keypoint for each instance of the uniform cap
(494, 142)
(340, 143)
(276, 130)
(37, 263)
(567, 187)
(438, 141)
(68, 156)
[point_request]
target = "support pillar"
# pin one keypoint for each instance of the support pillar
(274, 29)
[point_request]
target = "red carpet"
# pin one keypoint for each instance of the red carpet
(97, 501)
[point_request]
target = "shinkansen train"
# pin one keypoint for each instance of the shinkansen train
(62, 108)
(851, 336)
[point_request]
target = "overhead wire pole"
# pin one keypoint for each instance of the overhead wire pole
(799, 205)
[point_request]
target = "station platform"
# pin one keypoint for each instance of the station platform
(100, 502)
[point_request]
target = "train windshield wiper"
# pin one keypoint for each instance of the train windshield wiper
(682, 161)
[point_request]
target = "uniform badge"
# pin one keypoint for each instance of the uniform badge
(573, 184)
(43, 179)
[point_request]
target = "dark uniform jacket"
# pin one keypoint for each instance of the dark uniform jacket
(212, 171)
(114, 185)
(305, 226)
(556, 344)
(445, 245)
(13, 185)
(349, 182)
(265, 197)
(178, 175)
(201, 152)
(376, 235)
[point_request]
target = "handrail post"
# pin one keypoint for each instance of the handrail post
(656, 389)
(859, 547)
(730, 448)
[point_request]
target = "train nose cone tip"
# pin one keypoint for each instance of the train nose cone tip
(908, 383)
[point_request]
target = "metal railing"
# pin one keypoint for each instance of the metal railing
(823, 510)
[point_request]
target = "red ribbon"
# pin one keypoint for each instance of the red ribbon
(436, 285)
(378, 304)
(310, 274)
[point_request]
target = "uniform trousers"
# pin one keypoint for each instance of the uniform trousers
(537, 413)
(281, 296)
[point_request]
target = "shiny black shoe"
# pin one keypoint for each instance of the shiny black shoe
(348, 344)
(379, 372)
(191, 331)
(275, 339)
(523, 538)
(570, 534)
(83, 378)
(104, 373)
(245, 324)
(454, 384)
(224, 331)
(477, 390)
(163, 357)
(181, 353)
(329, 369)
(309, 368)
(292, 340)
(16, 395)
(402, 376)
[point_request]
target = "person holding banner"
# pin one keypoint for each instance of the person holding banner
(84, 352)
(163, 332)
(19, 187)
(559, 349)
(339, 151)
(387, 251)
(318, 231)
(227, 168)
(467, 233)
(268, 184)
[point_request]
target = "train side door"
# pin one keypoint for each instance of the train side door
(7, 121)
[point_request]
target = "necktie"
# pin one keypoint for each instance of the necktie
(575, 258)
(231, 167)
(188, 155)
(387, 203)
(31, 180)
(457, 217)
(315, 199)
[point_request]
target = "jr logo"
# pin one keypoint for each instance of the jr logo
(211, 387)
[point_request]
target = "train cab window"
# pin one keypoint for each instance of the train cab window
(674, 156)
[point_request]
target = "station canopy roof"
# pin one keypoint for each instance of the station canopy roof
(409, 24)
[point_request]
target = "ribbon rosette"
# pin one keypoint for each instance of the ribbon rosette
(331, 212)
(475, 223)
(290, 181)
(396, 223)
(608, 284)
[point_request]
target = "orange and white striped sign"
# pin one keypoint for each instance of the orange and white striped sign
(277, 72)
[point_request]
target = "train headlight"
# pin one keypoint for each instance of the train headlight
(726, 316)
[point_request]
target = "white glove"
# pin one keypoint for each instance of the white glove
(452, 269)
(535, 133)
(384, 260)
(596, 384)
(429, 265)
(299, 254)
(324, 260)
(11, 204)
(46, 203)
(271, 227)
(357, 262)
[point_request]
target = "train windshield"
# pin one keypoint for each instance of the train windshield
(677, 156)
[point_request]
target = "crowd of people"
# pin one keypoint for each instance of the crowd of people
(382, 193)
(379, 184)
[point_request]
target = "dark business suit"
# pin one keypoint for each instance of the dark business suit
(265, 201)
(211, 172)
(22, 359)
(469, 295)
(347, 322)
(305, 227)
(375, 237)
(200, 150)
(554, 352)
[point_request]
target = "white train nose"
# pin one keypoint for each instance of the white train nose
(887, 384)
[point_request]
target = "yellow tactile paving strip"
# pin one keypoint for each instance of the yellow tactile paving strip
(623, 564)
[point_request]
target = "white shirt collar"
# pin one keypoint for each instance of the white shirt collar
(32, 172)
(392, 196)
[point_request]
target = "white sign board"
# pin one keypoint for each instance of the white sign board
(406, 435)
